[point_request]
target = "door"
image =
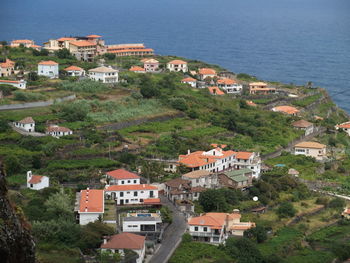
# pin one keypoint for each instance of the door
(121, 202)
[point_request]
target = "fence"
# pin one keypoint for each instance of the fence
(36, 104)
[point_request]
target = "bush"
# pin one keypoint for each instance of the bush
(286, 209)
(178, 104)
(85, 85)
(7, 89)
(28, 96)
(337, 203)
(109, 56)
(186, 238)
(76, 111)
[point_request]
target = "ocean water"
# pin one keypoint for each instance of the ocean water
(292, 41)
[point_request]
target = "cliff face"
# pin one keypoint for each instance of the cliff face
(16, 243)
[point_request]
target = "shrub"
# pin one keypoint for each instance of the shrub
(178, 104)
(85, 85)
(337, 203)
(27, 96)
(76, 111)
(286, 209)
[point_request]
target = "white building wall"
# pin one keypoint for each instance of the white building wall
(50, 71)
(110, 77)
(29, 127)
(124, 181)
(87, 217)
(130, 198)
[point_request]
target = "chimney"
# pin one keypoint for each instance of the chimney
(29, 175)
(86, 209)
(188, 151)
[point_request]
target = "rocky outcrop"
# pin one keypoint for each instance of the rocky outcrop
(16, 243)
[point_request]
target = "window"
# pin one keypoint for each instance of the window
(205, 229)
(135, 181)
(129, 181)
(121, 194)
(126, 201)
(135, 193)
(128, 192)
(123, 182)
(196, 228)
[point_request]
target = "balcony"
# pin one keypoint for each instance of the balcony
(204, 234)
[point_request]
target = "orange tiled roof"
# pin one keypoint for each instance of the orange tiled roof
(197, 159)
(244, 226)
(73, 68)
(9, 81)
(131, 50)
(49, 62)
(82, 43)
(226, 81)
(251, 103)
(214, 220)
(216, 91)
(22, 41)
(261, 84)
(286, 109)
(66, 39)
(7, 64)
(136, 68)
(207, 71)
(243, 155)
(27, 120)
(125, 241)
(177, 62)
(150, 61)
(57, 129)
(345, 125)
(131, 187)
(302, 124)
(121, 174)
(151, 201)
(314, 145)
(35, 46)
(91, 201)
(189, 79)
(93, 36)
(35, 179)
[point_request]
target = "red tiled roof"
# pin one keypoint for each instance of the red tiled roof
(136, 68)
(151, 201)
(27, 120)
(93, 36)
(345, 125)
(226, 81)
(73, 68)
(243, 155)
(131, 187)
(207, 71)
(57, 129)
(9, 81)
(91, 201)
(82, 43)
(131, 50)
(122, 174)
(216, 91)
(286, 109)
(197, 159)
(22, 41)
(66, 39)
(177, 62)
(302, 124)
(49, 62)
(35, 179)
(125, 241)
(7, 64)
(189, 79)
(214, 220)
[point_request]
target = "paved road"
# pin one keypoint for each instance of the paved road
(172, 235)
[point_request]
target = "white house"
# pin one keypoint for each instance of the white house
(150, 65)
(311, 149)
(19, 84)
(206, 73)
(75, 71)
(122, 177)
(190, 81)
(304, 125)
(248, 160)
(216, 227)
(104, 74)
(48, 69)
(58, 131)
(344, 126)
(230, 86)
(123, 241)
(142, 222)
(137, 69)
(177, 66)
(37, 182)
(27, 124)
(91, 205)
(214, 160)
(133, 194)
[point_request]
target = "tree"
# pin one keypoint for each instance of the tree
(33, 76)
(186, 238)
(58, 205)
(64, 54)
(109, 56)
(12, 164)
(178, 104)
(91, 234)
(76, 111)
(286, 209)
(4, 127)
(244, 250)
(213, 200)
(257, 234)
(147, 87)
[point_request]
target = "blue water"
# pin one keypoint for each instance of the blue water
(292, 41)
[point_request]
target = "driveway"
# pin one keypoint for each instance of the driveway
(172, 235)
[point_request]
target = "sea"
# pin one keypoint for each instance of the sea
(291, 41)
